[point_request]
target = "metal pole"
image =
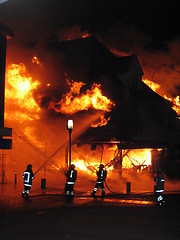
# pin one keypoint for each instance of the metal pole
(2, 168)
(15, 177)
(70, 146)
(45, 158)
(102, 152)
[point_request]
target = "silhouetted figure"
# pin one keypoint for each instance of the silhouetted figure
(71, 176)
(159, 187)
(101, 176)
(28, 176)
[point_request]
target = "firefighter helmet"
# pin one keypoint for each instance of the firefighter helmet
(29, 166)
(101, 166)
(72, 166)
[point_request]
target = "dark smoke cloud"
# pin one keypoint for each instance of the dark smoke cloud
(161, 66)
(35, 23)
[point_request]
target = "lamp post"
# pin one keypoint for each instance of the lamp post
(70, 128)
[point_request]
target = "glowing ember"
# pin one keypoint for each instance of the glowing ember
(73, 102)
(36, 60)
(85, 35)
(19, 94)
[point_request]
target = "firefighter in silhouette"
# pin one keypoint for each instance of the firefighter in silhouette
(28, 176)
(101, 176)
(71, 176)
(159, 187)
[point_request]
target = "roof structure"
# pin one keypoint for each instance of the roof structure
(6, 31)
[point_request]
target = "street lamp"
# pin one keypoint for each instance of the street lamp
(70, 128)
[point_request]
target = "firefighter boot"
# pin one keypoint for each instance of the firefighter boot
(27, 194)
(67, 193)
(93, 194)
(103, 193)
(23, 193)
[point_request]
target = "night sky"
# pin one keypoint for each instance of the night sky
(148, 28)
(159, 20)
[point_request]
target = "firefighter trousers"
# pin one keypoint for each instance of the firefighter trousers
(101, 185)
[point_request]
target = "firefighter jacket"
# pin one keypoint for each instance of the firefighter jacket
(101, 175)
(71, 176)
(160, 181)
(28, 176)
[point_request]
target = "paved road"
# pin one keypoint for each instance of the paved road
(48, 216)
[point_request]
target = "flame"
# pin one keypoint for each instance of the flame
(137, 158)
(155, 87)
(87, 168)
(85, 35)
(152, 85)
(19, 94)
(73, 101)
(103, 121)
(36, 60)
(82, 165)
(176, 103)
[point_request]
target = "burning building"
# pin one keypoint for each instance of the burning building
(114, 111)
(135, 117)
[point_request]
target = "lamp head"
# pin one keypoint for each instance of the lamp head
(69, 124)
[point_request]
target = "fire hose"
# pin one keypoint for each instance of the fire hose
(110, 189)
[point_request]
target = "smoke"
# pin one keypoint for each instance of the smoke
(160, 65)
(34, 28)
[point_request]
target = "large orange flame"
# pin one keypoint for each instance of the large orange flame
(73, 101)
(155, 87)
(137, 159)
(19, 94)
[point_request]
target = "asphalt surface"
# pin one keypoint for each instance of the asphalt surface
(47, 215)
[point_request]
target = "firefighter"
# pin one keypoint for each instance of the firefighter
(71, 176)
(159, 187)
(101, 176)
(28, 176)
